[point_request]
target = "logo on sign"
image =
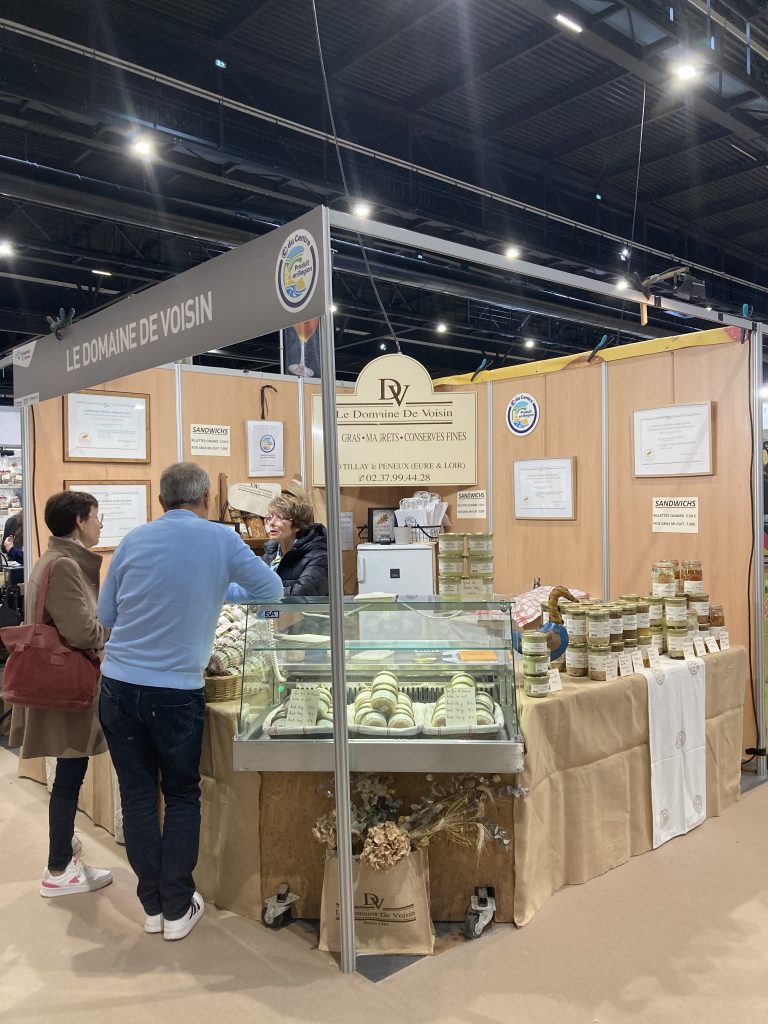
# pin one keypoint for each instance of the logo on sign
(22, 356)
(267, 443)
(392, 389)
(296, 275)
(522, 414)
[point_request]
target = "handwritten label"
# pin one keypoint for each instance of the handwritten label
(472, 590)
(460, 707)
(725, 641)
(637, 661)
(688, 652)
(302, 706)
(611, 667)
(654, 660)
(625, 664)
(555, 682)
(701, 650)
(711, 645)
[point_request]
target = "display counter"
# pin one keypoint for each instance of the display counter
(587, 807)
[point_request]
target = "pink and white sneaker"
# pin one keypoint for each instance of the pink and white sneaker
(77, 877)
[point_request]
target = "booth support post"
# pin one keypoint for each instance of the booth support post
(179, 412)
(27, 496)
(336, 598)
(758, 627)
(605, 468)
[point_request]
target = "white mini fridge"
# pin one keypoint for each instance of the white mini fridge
(396, 569)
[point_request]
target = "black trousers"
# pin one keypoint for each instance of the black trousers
(70, 772)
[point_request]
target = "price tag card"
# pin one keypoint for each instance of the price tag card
(711, 645)
(555, 682)
(688, 652)
(625, 664)
(637, 661)
(302, 706)
(701, 650)
(611, 667)
(460, 707)
(725, 641)
(654, 660)
(472, 590)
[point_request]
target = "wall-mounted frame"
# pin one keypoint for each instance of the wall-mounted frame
(123, 503)
(106, 426)
(545, 488)
(673, 441)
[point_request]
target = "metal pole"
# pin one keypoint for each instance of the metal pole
(302, 428)
(282, 356)
(27, 497)
(336, 596)
(605, 496)
(757, 525)
(179, 413)
(489, 474)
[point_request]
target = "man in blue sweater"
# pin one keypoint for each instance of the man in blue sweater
(162, 596)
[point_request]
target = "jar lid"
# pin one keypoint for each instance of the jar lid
(478, 535)
(697, 598)
(677, 631)
(575, 609)
(598, 610)
(629, 597)
(676, 600)
(535, 635)
(694, 562)
(449, 576)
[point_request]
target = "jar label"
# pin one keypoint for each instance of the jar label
(534, 647)
(577, 628)
(537, 689)
(700, 607)
(657, 639)
(675, 644)
(616, 623)
(693, 586)
(599, 629)
(663, 589)
(480, 567)
(656, 614)
(598, 662)
(644, 620)
(575, 658)
(677, 616)
(630, 623)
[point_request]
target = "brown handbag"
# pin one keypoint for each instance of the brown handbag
(42, 671)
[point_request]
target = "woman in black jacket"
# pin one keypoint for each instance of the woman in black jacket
(297, 548)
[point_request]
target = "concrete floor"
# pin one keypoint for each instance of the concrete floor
(677, 935)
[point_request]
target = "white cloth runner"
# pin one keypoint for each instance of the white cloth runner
(678, 744)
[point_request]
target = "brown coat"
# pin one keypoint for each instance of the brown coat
(70, 605)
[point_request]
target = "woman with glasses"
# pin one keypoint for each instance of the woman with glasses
(297, 548)
(69, 736)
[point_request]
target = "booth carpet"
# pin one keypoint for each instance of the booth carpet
(587, 808)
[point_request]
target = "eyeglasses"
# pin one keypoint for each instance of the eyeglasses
(276, 519)
(99, 517)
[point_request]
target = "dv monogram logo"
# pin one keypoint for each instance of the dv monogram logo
(391, 388)
(370, 899)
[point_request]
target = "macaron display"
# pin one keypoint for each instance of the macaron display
(383, 704)
(484, 704)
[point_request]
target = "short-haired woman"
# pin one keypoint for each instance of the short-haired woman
(297, 548)
(69, 736)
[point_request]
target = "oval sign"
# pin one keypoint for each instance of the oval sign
(522, 414)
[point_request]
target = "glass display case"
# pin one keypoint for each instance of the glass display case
(430, 685)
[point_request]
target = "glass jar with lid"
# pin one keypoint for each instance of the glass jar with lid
(450, 565)
(616, 623)
(576, 624)
(716, 615)
(663, 579)
(450, 543)
(659, 640)
(699, 603)
(643, 617)
(479, 543)
(656, 611)
(598, 627)
(533, 643)
(629, 613)
(678, 577)
(598, 658)
(449, 587)
(693, 577)
(535, 665)
(676, 641)
(676, 612)
(617, 646)
(536, 686)
(629, 598)
(576, 661)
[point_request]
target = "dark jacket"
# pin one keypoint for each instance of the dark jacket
(304, 568)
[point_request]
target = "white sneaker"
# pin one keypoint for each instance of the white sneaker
(153, 923)
(179, 929)
(77, 877)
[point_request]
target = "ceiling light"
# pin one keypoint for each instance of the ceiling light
(685, 72)
(361, 209)
(143, 147)
(624, 254)
(622, 284)
(334, 307)
(102, 273)
(220, 63)
(709, 309)
(6, 248)
(529, 342)
(513, 252)
(598, 195)
(568, 23)
(383, 347)
(441, 328)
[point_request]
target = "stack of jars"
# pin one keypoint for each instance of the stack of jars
(535, 651)
(686, 614)
(454, 565)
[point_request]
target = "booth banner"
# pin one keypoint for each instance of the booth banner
(260, 287)
(391, 907)
(265, 447)
(396, 431)
(253, 498)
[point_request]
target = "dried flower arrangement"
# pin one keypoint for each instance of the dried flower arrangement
(455, 807)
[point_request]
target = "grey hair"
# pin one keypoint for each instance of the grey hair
(183, 483)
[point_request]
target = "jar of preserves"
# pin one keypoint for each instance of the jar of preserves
(576, 661)
(716, 616)
(450, 565)
(643, 617)
(616, 623)
(678, 577)
(450, 543)
(617, 646)
(536, 686)
(534, 644)
(598, 627)
(656, 611)
(659, 640)
(449, 587)
(629, 598)
(699, 603)
(663, 579)
(643, 648)
(479, 566)
(576, 624)
(629, 613)
(693, 577)
(676, 641)
(535, 665)
(676, 612)
(598, 662)
(479, 543)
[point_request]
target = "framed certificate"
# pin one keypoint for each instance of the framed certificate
(545, 488)
(673, 441)
(106, 426)
(124, 505)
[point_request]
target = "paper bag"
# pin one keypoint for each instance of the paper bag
(391, 907)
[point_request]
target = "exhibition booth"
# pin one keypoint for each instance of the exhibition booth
(617, 453)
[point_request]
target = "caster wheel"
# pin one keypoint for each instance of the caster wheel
(472, 928)
(278, 922)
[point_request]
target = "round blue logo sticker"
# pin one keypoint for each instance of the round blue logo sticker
(267, 443)
(522, 414)
(296, 271)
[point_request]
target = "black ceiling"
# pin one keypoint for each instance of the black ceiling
(481, 121)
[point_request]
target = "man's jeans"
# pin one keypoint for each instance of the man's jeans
(157, 732)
